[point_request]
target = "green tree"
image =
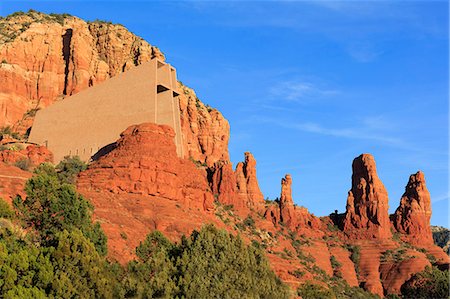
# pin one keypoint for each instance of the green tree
(69, 168)
(209, 263)
(212, 261)
(51, 207)
(313, 291)
(430, 283)
(79, 271)
(152, 276)
(24, 271)
(5, 210)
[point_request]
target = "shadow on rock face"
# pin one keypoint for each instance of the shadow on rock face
(104, 151)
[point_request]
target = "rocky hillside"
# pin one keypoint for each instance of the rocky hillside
(441, 237)
(141, 185)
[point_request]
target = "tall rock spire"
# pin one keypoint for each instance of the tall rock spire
(367, 203)
(247, 184)
(413, 215)
(286, 202)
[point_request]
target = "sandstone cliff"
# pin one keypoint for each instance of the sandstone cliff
(145, 162)
(142, 185)
(47, 57)
(206, 132)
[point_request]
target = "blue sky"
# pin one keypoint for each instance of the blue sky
(308, 86)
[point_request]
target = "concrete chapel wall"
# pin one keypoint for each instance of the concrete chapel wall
(94, 118)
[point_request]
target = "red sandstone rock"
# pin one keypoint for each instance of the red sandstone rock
(286, 202)
(296, 218)
(34, 154)
(223, 185)
(413, 215)
(127, 218)
(395, 273)
(318, 249)
(205, 130)
(347, 268)
(369, 265)
(272, 214)
(48, 60)
(145, 162)
(12, 182)
(367, 203)
(247, 187)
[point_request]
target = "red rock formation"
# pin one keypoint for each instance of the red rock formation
(394, 274)
(318, 249)
(12, 182)
(205, 130)
(145, 162)
(294, 217)
(53, 57)
(34, 154)
(223, 185)
(367, 203)
(347, 268)
(272, 213)
(413, 215)
(286, 203)
(45, 58)
(127, 218)
(247, 187)
(369, 264)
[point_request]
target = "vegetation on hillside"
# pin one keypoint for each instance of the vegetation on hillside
(430, 283)
(441, 237)
(49, 247)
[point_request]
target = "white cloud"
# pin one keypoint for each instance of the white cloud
(300, 91)
(444, 197)
(363, 52)
(361, 131)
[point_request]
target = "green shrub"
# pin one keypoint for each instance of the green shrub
(332, 228)
(51, 207)
(297, 273)
(228, 207)
(23, 164)
(249, 222)
(5, 210)
(355, 255)
(31, 112)
(210, 263)
(430, 283)
(342, 290)
(313, 291)
(69, 168)
(335, 263)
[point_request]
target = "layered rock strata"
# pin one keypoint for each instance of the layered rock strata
(145, 162)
